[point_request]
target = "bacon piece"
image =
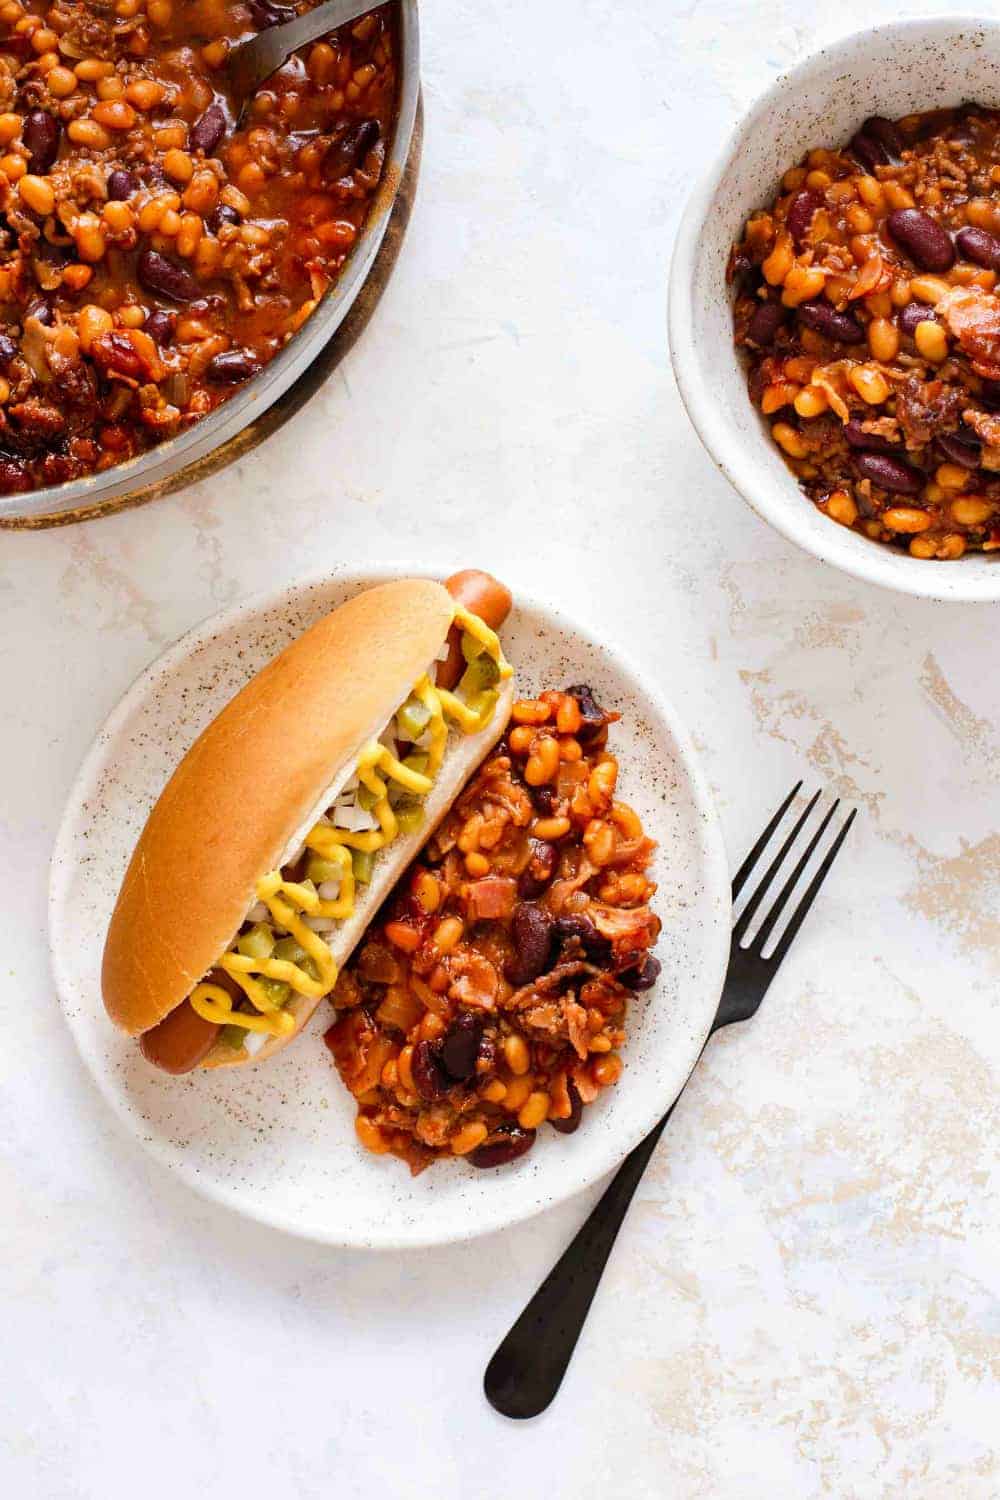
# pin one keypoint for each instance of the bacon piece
(474, 980)
(553, 983)
(986, 426)
(376, 965)
(490, 899)
(973, 317)
(631, 930)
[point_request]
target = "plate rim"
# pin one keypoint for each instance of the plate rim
(715, 913)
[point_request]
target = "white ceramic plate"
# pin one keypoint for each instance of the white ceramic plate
(277, 1142)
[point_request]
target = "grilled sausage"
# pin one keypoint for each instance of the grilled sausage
(484, 596)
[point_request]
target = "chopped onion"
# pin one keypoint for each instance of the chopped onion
(354, 819)
(329, 890)
(254, 1041)
(321, 924)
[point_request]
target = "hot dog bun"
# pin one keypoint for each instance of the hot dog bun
(464, 757)
(247, 791)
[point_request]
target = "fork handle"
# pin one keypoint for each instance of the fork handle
(527, 1369)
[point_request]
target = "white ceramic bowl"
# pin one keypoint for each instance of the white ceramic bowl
(892, 70)
(276, 1142)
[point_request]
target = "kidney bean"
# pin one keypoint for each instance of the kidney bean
(870, 152)
(980, 246)
(52, 255)
(989, 396)
(914, 313)
(800, 215)
(8, 348)
(591, 712)
(154, 177)
(506, 1144)
(208, 130)
(160, 326)
(116, 351)
(460, 1046)
(531, 929)
(158, 274)
(744, 273)
(539, 870)
(544, 800)
(350, 148)
(925, 242)
(428, 1072)
(858, 438)
(223, 214)
(962, 448)
(595, 947)
(41, 133)
(841, 327)
(644, 975)
(572, 1121)
(232, 367)
(889, 473)
(39, 309)
(265, 13)
(121, 185)
(767, 319)
(878, 128)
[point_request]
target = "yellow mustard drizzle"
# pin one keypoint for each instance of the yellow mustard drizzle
(487, 638)
(285, 899)
(213, 1003)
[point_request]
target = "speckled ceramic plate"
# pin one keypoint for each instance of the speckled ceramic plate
(276, 1142)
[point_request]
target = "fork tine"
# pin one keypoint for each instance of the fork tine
(799, 914)
(739, 931)
(770, 921)
(740, 878)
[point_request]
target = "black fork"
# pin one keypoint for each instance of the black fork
(528, 1367)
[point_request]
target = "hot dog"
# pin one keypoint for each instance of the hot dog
(293, 815)
(486, 597)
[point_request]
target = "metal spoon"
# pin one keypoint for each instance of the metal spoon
(253, 61)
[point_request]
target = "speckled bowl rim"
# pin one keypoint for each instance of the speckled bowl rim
(714, 914)
(972, 579)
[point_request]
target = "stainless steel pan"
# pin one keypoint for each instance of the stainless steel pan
(158, 470)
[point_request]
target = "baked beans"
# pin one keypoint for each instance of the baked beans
(487, 1001)
(868, 313)
(153, 257)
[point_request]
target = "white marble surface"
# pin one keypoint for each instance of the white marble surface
(804, 1301)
